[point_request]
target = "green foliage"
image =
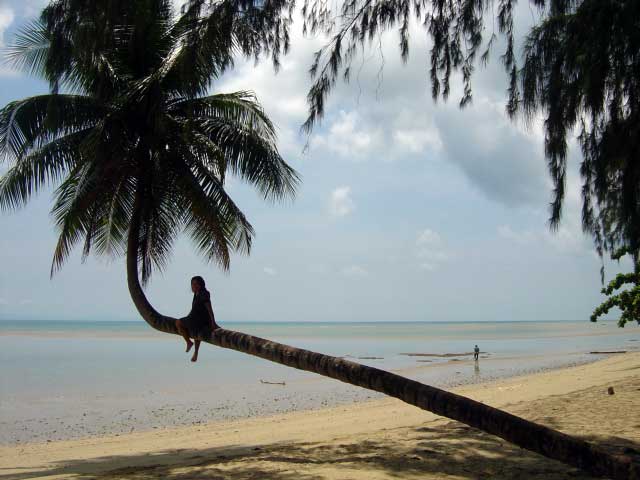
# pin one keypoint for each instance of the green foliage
(628, 301)
(580, 69)
(135, 122)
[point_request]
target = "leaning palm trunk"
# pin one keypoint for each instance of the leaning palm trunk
(532, 436)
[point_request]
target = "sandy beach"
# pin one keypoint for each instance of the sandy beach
(380, 439)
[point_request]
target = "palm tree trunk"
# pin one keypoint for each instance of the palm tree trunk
(525, 434)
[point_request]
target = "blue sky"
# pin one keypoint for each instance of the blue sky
(408, 211)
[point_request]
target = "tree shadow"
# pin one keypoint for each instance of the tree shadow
(170, 464)
(433, 451)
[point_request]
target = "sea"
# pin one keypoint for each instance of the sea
(70, 379)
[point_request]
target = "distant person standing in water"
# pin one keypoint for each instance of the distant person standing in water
(200, 322)
(476, 353)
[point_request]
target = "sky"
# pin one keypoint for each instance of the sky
(408, 210)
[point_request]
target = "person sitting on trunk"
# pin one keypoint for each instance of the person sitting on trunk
(200, 322)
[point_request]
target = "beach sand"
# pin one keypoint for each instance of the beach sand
(381, 439)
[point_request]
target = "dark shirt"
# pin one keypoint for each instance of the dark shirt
(199, 309)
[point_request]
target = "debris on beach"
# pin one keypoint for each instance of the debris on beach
(607, 353)
(272, 383)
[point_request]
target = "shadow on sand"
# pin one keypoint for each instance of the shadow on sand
(433, 451)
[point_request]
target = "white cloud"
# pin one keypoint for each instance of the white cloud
(3, 301)
(348, 137)
(428, 237)
(270, 271)
(431, 250)
(340, 202)
(417, 140)
(354, 271)
(6, 19)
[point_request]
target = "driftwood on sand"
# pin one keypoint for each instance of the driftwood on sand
(272, 383)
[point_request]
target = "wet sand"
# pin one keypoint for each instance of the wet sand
(100, 414)
(376, 439)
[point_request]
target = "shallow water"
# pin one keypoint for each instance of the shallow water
(71, 379)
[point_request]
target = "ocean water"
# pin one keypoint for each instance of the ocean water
(64, 379)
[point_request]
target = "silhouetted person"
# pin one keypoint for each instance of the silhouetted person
(200, 322)
(476, 353)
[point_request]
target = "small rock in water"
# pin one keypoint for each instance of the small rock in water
(610, 391)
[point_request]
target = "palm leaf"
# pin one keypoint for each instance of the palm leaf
(213, 220)
(32, 122)
(44, 166)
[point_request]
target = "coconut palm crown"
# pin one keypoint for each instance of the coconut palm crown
(135, 138)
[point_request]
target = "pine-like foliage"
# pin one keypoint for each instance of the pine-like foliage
(136, 127)
(580, 69)
(628, 301)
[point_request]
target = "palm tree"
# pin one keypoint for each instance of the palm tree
(138, 153)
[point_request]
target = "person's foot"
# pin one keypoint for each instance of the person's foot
(194, 358)
(189, 345)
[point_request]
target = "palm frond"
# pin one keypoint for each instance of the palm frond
(211, 34)
(111, 235)
(32, 122)
(161, 219)
(213, 220)
(240, 107)
(238, 125)
(253, 158)
(44, 166)
(74, 212)
(30, 49)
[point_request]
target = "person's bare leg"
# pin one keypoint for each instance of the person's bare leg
(194, 358)
(182, 330)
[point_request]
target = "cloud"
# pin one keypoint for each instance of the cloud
(505, 163)
(428, 237)
(428, 266)
(520, 238)
(3, 301)
(568, 239)
(417, 140)
(431, 250)
(354, 271)
(349, 136)
(340, 202)
(6, 19)
(270, 271)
